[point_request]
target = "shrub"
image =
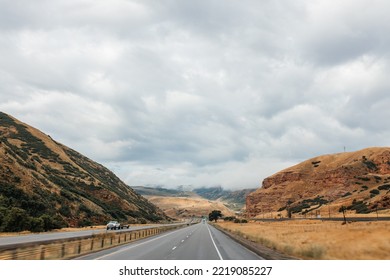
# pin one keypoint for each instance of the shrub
(65, 210)
(85, 223)
(378, 178)
(346, 194)
(240, 221)
(384, 187)
(370, 165)
(16, 220)
(50, 222)
(366, 179)
(360, 207)
(315, 252)
(36, 225)
(374, 191)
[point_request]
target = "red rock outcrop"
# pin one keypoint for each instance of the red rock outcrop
(337, 178)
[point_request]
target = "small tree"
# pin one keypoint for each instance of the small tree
(215, 215)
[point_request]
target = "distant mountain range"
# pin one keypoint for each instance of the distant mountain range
(44, 185)
(199, 201)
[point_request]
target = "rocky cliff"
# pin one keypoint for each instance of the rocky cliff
(359, 181)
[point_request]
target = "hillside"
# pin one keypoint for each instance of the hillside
(44, 185)
(187, 207)
(181, 203)
(358, 181)
(233, 199)
(160, 191)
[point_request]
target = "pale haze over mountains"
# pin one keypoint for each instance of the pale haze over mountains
(199, 93)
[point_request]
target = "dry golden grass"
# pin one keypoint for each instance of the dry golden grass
(308, 239)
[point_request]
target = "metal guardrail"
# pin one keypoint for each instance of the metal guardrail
(68, 248)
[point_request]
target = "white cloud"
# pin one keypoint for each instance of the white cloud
(198, 92)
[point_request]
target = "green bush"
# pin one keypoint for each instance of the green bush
(50, 222)
(370, 165)
(375, 191)
(16, 220)
(85, 223)
(360, 207)
(240, 221)
(384, 187)
(65, 210)
(36, 225)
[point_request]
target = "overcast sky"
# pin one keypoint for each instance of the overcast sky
(199, 93)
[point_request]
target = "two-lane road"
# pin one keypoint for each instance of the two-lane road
(196, 242)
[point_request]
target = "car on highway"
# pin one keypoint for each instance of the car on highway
(115, 225)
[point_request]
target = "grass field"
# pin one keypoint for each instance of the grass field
(308, 239)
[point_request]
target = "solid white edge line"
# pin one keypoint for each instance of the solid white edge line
(212, 239)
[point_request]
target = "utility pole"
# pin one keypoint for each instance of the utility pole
(376, 210)
(343, 209)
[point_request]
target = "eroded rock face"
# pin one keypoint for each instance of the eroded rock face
(337, 178)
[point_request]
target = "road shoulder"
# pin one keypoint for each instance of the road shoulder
(259, 249)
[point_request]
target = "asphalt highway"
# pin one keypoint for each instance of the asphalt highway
(196, 242)
(20, 239)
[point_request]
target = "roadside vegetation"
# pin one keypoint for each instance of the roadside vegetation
(319, 240)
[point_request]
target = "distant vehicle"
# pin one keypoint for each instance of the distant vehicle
(115, 225)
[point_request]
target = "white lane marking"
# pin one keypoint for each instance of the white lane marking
(174, 248)
(136, 245)
(212, 239)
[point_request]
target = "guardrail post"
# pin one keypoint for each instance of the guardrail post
(63, 251)
(92, 244)
(79, 248)
(102, 245)
(42, 253)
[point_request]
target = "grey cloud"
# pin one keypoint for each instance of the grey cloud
(198, 92)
